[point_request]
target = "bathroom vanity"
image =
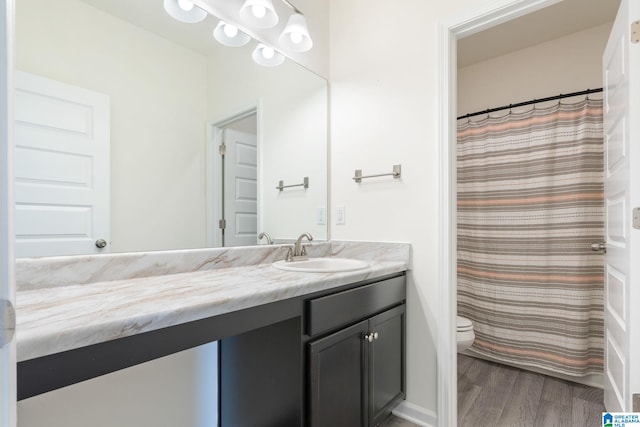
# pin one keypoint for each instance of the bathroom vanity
(295, 348)
(343, 351)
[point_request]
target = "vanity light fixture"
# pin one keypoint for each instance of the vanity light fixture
(259, 13)
(230, 35)
(295, 35)
(184, 11)
(267, 56)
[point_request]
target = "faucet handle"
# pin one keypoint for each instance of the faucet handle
(289, 257)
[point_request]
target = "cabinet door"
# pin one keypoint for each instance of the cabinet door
(338, 378)
(386, 360)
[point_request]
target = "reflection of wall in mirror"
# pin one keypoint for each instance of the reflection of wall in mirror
(292, 136)
(161, 96)
(157, 91)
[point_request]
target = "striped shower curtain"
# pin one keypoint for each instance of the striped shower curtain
(530, 203)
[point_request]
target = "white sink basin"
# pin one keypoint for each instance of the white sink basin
(322, 265)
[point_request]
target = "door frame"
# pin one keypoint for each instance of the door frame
(466, 24)
(8, 377)
(213, 185)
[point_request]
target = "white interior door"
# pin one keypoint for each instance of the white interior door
(621, 66)
(61, 168)
(240, 188)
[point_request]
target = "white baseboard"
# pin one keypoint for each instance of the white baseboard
(416, 414)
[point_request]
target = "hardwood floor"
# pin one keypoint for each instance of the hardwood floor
(491, 394)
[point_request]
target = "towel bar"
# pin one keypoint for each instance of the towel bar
(359, 177)
(281, 185)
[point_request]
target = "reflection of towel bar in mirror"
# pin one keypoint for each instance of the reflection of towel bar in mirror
(281, 185)
(396, 174)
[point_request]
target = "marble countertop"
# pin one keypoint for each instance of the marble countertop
(67, 316)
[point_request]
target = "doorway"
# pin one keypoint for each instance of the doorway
(450, 36)
(232, 181)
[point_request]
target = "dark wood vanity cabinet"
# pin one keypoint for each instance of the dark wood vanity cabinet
(338, 378)
(356, 374)
(386, 363)
(337, 360)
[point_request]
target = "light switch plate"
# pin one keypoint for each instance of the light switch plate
(340, 212)
(321, 216)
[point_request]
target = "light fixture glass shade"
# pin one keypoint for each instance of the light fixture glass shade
(295, 36)
(184, 11)
(229, 35)
(267, 56)
(259, 13)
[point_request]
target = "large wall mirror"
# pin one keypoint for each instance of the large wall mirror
(120, 112)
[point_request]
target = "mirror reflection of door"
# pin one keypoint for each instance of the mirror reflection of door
(61, 168)
(239, 174)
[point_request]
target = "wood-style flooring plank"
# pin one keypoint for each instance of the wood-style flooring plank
(463, 364)
(490, 394)
(522, 406)
(472, 375)
(587, 393)
(551, 414)
(557, 390)
(478, 371)
(488, 407)
(586, 413)
(467, 395)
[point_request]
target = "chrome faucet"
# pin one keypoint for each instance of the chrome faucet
(266, 236)
(299, 252)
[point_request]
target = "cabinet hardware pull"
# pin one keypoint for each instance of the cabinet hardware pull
(371, 337)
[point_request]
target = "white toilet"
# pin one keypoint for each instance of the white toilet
(464, 334)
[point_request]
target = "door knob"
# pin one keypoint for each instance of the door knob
(101, 243)
(597, 247)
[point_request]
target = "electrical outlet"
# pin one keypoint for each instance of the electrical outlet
(340, 219)
(321, 216)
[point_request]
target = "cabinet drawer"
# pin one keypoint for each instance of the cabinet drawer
(342, 308)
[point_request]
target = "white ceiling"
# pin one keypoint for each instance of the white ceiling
(558, 20)
(561, 19)
(151, 16)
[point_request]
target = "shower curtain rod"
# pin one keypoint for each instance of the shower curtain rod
(533, 101)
